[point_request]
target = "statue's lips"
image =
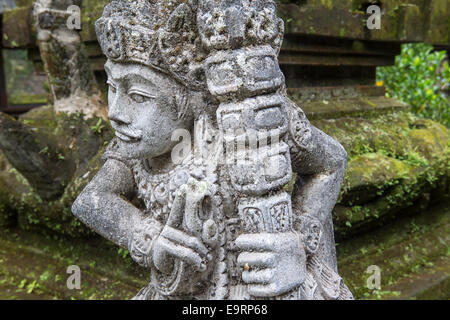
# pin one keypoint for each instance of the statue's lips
(127, 136)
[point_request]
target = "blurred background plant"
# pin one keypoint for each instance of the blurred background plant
(421, 78)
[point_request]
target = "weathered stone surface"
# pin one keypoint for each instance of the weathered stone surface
(327, 106)
(412, 254)
(37, 157)
(401, 20)
(12, 186)
(397, 163)
(56, 160)
(17, 28)
(71, 80)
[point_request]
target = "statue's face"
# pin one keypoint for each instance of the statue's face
(142, 109)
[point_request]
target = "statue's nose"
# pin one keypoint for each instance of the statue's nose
(117, 114)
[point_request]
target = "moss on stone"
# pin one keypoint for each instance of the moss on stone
(12, 186)
(369, 175)
(34, 267)
(16, 28)
(27, 99)
(397, 163)
(402, 20)
(56, 216)
(404, 249)
(81, 143)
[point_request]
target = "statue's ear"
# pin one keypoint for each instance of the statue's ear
(187, 104)
(178, 103)
(182, 106)
(195, 105)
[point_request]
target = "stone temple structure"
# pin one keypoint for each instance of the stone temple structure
(212, 219)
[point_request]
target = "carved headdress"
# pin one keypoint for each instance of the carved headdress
(228, 49)
(178, 36)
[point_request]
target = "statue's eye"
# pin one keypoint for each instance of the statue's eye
(139, 98)
(112, 87)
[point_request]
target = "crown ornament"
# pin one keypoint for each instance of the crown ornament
(177, 36)
(234, 24)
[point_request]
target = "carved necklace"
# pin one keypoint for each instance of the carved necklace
(158, 190)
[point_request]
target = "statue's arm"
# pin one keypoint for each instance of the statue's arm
(320, 163)
(320, 172)
(102, 205)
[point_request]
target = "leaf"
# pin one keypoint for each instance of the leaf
(31, 287)
(22, 284)
(45, 276)
(421, 78)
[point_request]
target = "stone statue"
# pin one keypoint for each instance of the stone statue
(71, 80)
(221, 225)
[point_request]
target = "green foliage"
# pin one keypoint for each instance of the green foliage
(123, 253)
(380, 295)
(420, 78)
(98, 127)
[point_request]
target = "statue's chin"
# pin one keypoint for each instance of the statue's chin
(140, 150)
(132, 149)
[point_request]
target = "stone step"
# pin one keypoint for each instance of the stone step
(429, 283)
(412, 254)
(34, 267)
(345, 101)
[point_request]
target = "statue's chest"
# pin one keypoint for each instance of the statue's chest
(158, 190)
(158, 193)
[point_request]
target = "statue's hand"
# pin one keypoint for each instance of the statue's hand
(173, 243)
(179, 237)
(274, 263)
(141, 241)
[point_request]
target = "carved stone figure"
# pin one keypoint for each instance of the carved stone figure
(221, 225)
(71, 80)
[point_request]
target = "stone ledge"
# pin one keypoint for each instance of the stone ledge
(29, 258)
(398, 163)
(338, 102)
(411, 252)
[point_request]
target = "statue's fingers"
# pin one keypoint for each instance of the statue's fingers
(263, 290)
(183, 253)
(257, 259)
(183, 239)
(175, 218)
(161, 258)
(255, 242)
(264, 276)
